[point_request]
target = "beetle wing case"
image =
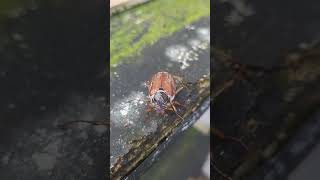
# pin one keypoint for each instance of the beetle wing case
(165, 81)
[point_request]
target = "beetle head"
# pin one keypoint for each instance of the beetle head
(160, 100)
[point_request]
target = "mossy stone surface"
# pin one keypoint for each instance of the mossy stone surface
(134, 29)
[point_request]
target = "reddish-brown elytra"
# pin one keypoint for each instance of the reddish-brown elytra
(161, 92)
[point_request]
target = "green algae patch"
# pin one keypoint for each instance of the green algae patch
(144, 25)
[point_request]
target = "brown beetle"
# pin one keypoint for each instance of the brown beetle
(162, 91)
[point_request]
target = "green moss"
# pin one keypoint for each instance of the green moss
(151, 21)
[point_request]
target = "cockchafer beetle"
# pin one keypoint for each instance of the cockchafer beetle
(161, 92)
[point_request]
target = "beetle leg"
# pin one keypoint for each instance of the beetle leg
(180, 80)
(177, 78)
(149, 108)
(175, 110)
(178, 90)
(177, 103)
(147, 83)
(170, 109)
(185, 84)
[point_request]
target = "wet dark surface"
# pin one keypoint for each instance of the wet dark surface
(184, 54)
(283, 165)
(52, 65)
(266, 31)
(275, 49)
